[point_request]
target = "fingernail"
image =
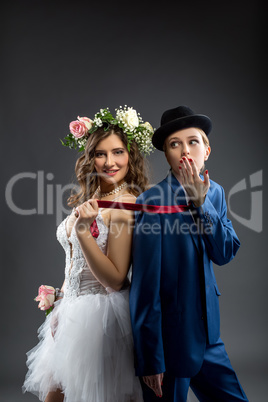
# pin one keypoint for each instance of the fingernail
(180, 167)
(206, 171)
(190, 160)
(181, 161)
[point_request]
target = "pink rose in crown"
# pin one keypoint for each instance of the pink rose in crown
(46, 297)
(78, 128)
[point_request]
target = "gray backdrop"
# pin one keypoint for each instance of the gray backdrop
(64, 59)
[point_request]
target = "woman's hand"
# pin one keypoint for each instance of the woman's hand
(155, 383)
(86, 214)
(189, 177)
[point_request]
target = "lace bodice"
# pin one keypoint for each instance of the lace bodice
(79, 280)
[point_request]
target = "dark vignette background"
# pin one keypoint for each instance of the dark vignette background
(63, 59)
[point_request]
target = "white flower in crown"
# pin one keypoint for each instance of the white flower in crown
(148, 126)
(129, 118)
(98, 121)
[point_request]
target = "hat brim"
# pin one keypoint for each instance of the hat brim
(197, 120)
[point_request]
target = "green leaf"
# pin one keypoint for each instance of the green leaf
(49, 310)
(93, 129)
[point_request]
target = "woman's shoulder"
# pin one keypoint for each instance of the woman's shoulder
(127, 197)
(122, 214)
(215, 187)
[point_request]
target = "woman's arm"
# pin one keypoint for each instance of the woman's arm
(62, 288)
(111, 269)
(219, 236)
(61, 292)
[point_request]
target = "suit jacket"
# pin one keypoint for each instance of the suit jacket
(174, 303)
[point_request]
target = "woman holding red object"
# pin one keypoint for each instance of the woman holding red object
(85, 350)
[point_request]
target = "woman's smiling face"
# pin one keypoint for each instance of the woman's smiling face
(111, 160)
(186, 143)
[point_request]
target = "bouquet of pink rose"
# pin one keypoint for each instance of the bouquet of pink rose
(46, 297)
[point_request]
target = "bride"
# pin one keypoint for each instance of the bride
(85, 352)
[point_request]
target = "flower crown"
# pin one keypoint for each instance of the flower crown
(126, 118)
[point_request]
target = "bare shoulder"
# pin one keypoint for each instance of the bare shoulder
(127, 198)
(123, 215)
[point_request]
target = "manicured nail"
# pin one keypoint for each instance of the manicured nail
(181, 161)
(180, 167)
(206, 171)
(190, 160)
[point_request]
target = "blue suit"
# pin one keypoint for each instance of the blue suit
(174, 303)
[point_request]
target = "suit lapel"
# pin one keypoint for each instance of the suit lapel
(177, 190)
(179, 198)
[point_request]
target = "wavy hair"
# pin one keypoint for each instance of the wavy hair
(87, 177)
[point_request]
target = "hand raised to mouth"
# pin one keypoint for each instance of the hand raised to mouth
(189, 177)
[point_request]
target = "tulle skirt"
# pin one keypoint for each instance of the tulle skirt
(90, 354)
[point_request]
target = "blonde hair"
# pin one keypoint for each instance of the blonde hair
(206, 143)
(204, 137)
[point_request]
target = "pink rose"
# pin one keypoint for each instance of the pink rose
(78, 128)
(88, 122)
(46, 297)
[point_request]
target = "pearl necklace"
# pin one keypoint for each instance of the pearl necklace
(114, 191)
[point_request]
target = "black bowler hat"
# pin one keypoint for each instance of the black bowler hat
(179, 118)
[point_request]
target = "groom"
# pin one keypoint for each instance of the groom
(174, 295)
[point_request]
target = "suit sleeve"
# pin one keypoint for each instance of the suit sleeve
(145, 304)
(220, 238)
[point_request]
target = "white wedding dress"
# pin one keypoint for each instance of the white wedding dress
(90, 358)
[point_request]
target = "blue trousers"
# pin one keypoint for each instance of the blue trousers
(215, 382)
